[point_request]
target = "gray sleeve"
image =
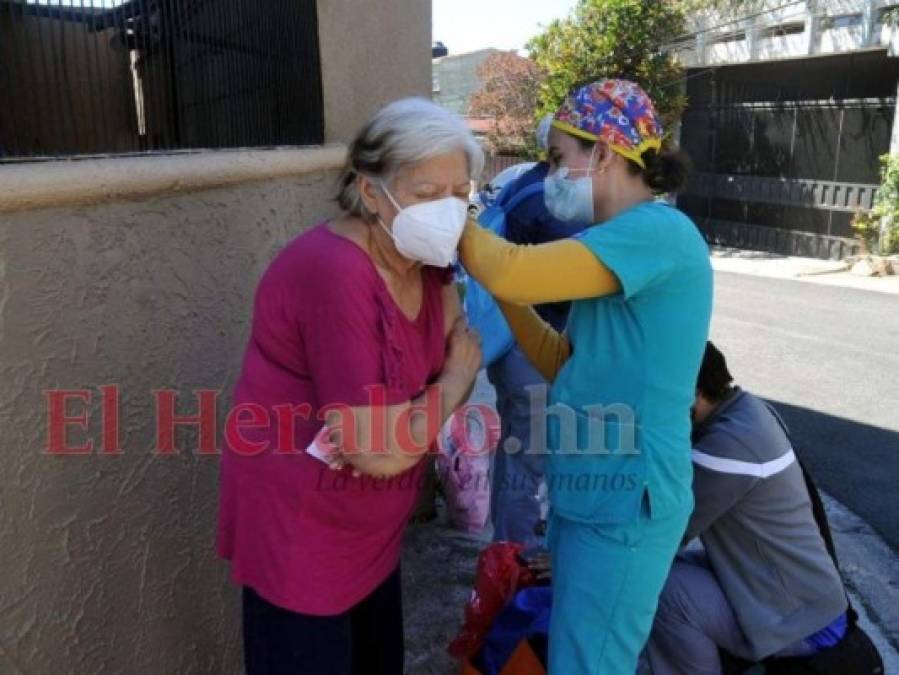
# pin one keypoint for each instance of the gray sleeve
(719, 481)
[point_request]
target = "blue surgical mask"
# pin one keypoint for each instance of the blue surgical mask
(569, 200)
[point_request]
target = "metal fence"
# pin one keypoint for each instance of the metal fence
(117, 76)
(789, 146)
(812, 194)
(496, 163)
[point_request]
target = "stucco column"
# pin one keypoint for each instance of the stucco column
(869, 18)
(701, 44)
(370, 57)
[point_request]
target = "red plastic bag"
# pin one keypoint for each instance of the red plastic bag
(499, 576)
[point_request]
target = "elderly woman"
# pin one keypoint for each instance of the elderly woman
(352, 321)
(623, 373)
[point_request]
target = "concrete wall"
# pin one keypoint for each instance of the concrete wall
(371, 53)
(137, 272)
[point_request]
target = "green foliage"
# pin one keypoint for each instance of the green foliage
(723, 9)
(613, 38)
(891, 17)
(884, 213)
(867, 230)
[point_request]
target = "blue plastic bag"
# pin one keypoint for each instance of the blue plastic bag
(526, 617)
(484, 315)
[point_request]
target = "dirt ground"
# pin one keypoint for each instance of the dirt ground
(438, 571)
(438, 568)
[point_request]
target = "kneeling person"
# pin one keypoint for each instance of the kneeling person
(765, 584)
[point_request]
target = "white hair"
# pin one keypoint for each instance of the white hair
(401, 134)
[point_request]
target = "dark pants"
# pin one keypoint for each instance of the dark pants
(365, 640)
(514, 505)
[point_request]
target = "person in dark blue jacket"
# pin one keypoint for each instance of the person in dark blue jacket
(515, 509)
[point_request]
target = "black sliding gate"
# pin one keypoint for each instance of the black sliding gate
(786, 152)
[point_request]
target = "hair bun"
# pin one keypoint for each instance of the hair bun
(665, 171)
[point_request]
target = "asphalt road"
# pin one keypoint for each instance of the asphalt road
(828, 359)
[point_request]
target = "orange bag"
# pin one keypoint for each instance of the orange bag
(522, 662)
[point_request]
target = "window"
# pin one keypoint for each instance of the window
(844, 21)
(116, 76)
(782, 30)
(735, 36)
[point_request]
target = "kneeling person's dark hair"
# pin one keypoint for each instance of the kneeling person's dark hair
(714, 380)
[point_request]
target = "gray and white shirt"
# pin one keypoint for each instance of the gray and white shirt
(754, 518)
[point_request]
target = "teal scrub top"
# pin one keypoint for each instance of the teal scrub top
(618, 425)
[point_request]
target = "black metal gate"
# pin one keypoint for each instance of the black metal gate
(112, 76)
(786, 152)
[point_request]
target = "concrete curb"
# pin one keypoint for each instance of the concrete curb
(871, 573)
(808, 270)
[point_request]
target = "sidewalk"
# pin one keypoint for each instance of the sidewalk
(811, 270)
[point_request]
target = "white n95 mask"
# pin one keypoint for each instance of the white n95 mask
(428, 232)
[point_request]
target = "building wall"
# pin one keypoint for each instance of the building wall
(456, 77)
(139, 272)
(371, 56)
(780, 30)
(107, 562)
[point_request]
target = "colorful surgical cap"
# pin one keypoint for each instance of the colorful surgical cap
(618, 111)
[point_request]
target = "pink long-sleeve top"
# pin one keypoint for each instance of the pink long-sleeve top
(325, 331)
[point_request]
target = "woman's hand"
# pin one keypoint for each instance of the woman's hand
(454, 385)
(463, 360)
(327, 447)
